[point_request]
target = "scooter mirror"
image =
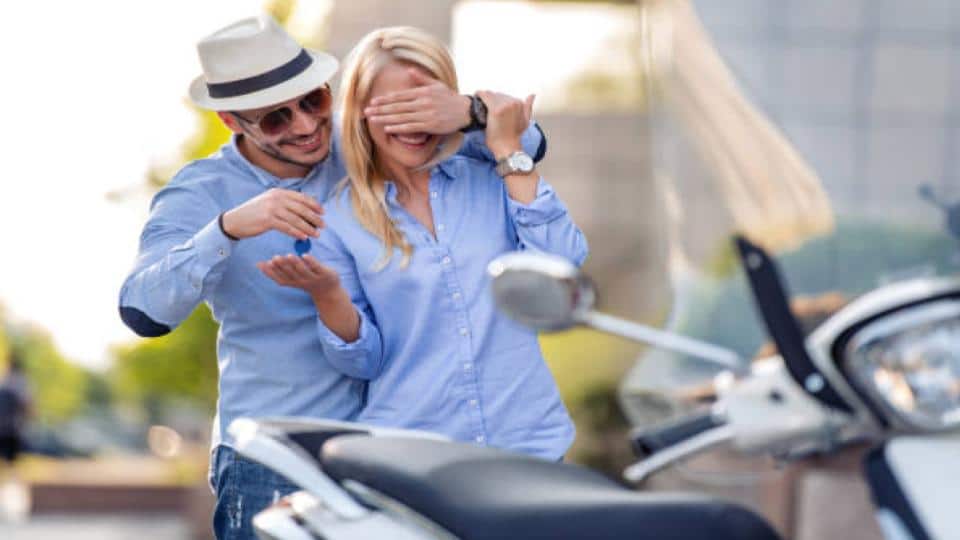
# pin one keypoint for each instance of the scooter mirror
(541, 291)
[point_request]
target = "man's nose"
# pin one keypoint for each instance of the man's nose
(303, 123)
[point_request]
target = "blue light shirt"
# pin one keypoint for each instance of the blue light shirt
(438, 354)
(269, 352)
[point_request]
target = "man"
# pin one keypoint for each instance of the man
(257, 198)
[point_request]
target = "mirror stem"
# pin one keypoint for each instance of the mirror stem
(663, 340)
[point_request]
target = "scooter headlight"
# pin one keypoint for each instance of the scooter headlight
(909, 364)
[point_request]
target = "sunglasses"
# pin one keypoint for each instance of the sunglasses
(278, 120)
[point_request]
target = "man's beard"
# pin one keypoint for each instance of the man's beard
(273, 149)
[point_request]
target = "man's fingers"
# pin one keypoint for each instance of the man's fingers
(307, 213)
(420, 78)
(311, 202)
(413, 127)
(301, 226)
(287, 195)
(400, 118)
(395, 97)
(373, 113)
(286, 228)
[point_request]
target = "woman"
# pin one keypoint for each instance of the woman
(402, 294)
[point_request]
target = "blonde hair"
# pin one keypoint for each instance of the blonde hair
(368, 195)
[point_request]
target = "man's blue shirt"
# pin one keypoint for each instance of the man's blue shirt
(269, 352)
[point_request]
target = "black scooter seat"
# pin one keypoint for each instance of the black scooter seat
(481, 493)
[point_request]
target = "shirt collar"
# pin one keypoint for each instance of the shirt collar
(444, 169)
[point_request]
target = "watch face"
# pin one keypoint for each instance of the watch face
(521, 162)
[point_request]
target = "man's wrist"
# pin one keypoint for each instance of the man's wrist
(223, 228)
(477, 112)
(465, 112)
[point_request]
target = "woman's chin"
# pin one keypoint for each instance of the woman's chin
(411, 156)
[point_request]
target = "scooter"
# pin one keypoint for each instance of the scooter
(884, 370)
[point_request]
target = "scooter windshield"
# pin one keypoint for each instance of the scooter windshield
(836, 152)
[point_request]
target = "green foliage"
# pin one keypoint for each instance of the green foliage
(60, 388)
(281, 9)
(180, 366)
(588, 367)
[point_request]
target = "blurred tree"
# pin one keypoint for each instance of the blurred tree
(180, 366)
(59, 386)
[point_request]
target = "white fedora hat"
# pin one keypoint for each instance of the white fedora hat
(254, 63)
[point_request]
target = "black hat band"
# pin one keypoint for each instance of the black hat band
(265, 80)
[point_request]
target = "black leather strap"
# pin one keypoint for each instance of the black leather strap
(478, 115)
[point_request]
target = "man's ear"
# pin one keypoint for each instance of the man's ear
(230, 121)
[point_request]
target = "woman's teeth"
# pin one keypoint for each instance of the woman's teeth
(413, 139)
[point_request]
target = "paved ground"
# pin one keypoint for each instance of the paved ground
(97, 527)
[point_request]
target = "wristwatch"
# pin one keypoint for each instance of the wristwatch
(478, 115)
(518, 162)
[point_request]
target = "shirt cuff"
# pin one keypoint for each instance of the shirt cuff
(533, 142)
(213, 247)
(338, 344)
(545, 208)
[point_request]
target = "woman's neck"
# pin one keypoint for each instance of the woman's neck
(409, 182)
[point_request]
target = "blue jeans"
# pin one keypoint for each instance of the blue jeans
(243, 488)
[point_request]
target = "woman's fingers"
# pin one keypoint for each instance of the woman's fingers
(279, 267)
(528, 107)
(271, 272)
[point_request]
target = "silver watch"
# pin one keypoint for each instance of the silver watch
(517, 162)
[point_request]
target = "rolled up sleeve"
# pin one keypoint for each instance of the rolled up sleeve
(363, 357)
(545, 225)
(182, 257)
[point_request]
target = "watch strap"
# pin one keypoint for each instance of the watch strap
(478, 115)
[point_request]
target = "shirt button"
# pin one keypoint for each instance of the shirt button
(456, 296)
(221, 252)
(433, 194)
(473, 403)
(468, 366)
(481, 438)
(464, 331)
(440, 227)
(446, 260)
